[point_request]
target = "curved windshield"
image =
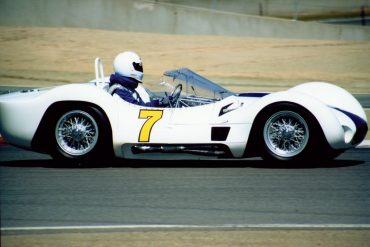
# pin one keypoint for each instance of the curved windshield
(196, 90)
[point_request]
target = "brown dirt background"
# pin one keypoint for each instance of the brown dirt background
(258, 238)
(42, 56)
(49, 56)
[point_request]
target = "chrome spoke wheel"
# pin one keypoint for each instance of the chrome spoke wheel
(286, 134)
(76, 133)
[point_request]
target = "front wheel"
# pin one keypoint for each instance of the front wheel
(287, 133)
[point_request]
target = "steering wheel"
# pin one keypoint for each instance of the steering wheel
(175, 94)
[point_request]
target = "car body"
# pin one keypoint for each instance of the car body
(84, 121)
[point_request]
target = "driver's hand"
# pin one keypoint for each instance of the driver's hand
(165, 101)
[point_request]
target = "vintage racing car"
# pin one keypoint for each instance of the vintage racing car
(85, 122)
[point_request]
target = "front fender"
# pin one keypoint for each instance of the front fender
(325, 116)
(333, 96)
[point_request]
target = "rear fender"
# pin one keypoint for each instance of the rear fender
(78, 95)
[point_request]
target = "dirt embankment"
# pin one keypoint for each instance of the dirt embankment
(40, 56)
(253, 238)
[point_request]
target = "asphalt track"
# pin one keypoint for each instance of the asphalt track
(38, 193)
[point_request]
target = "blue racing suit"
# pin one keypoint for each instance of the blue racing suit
(127, 90)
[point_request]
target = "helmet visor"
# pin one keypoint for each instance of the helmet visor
(138, 66)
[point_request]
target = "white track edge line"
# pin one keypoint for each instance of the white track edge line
(364, 144)
(228, 226)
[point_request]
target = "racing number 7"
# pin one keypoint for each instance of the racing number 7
(151, 116)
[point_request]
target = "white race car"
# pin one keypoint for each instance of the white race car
(85, 122)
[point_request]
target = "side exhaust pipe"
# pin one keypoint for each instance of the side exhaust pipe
(207, 150)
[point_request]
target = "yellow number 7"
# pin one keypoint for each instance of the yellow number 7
(152, 117)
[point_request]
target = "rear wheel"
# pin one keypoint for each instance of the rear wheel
(76, 133)
(79, 135)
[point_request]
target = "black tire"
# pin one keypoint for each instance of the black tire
(80, 135)
(289, 132)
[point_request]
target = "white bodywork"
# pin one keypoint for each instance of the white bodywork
(22, 112)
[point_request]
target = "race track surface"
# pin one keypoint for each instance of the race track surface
(38, 192)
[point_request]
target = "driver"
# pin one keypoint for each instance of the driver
(127, 79)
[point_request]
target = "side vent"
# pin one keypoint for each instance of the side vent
(219, 133)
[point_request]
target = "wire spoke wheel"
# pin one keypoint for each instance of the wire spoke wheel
(286, 134)
(76, 133)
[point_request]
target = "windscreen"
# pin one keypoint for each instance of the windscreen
(194, 84)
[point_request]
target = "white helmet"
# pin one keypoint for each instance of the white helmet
(129, 64)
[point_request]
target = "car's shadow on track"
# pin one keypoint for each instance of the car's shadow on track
(120, 163)
(244, 164)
